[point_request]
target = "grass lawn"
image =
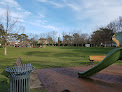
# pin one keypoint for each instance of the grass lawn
(49, 57)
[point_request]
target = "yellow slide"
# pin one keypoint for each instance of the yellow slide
(116, 41)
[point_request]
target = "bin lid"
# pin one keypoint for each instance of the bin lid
(19, 69)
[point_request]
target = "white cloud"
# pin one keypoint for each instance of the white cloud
(2, 3)
(15, 9)
(18, 8)
(61, 5)
(74, 7)
(43, 24)
(98, 11)
(38, 22)
(50, 27)
(102, 11)
(43, 0)
(11, 3)
(87, 12)
(58, 5)
(2, 11)
(41, 15)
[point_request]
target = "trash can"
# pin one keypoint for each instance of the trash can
(20, 77)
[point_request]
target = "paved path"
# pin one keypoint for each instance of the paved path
(60, 79)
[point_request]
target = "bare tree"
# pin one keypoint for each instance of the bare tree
(63, 37)
(84, 38)
(2, 34)
(9, 25)
(34, 39)
(49, 38)
(67, 40)
(53, 36)
(76, 39)
(116, 25)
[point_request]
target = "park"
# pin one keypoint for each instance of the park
(60, 63)
(60, 46)
(71, 63)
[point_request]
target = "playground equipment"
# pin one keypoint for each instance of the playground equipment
(117, 38)
(113, 56)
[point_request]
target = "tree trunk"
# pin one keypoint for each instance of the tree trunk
(5, 51)
(5, 48)
(63, 42)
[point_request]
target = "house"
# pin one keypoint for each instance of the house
(20, 44)
(43, 41)
(12, 43)
(25, 43)
(17, 44)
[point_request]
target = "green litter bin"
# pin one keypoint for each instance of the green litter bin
(20, 78)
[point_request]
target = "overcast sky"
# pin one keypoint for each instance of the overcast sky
(40, 16)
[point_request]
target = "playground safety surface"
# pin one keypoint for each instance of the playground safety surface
(66, 79)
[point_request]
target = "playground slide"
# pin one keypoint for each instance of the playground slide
(116, 41)
(113, 56)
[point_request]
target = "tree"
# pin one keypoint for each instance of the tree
(52, 36)
(34, 39)
(9, 24)
(2, 34)
(102, 35)
(76, 39)
(116, 25)
(50, 40)
(22, 37)
(84, 38)
(67, 39)
(96, 37)
(63, 34)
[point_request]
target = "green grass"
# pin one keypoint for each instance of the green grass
(38, 90)
(49, 57)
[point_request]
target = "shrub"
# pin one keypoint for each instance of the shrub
(1, 47)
